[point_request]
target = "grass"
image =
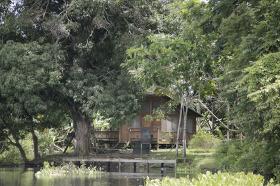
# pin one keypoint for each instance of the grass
(68, 169)
(171, 153)
(198, 160)
(201, 169)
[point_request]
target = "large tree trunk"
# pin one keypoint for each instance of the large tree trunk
(82, 135)
(20, 148)
(22, 152)
(82, 132)
(35, 145)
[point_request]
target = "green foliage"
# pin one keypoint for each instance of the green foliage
(209, 164)
(254, 156)
(46, 141)
(243, 38)
(28, 71)
(262, 83)
(204, 140)
(63, 58)
(65, 170)
(12, 155)
(247, 52)
(198, 160)
(100, 122)
(174, 62)
(119, 102)
(209, 179)
(276, 173)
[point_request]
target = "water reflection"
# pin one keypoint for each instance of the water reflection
(26, 177)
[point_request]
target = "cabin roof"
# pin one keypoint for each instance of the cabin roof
(196, 114)
(190, 110)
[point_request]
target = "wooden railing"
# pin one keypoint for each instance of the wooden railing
(107, 135)
(134, 134)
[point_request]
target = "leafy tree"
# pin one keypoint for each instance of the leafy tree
(26, 72)
(99, 34)
(262, 83)
(92, 36)
(166, 60)
(246, 38)
(120, 100)
(245, 31)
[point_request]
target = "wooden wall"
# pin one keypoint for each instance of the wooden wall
(158, 128)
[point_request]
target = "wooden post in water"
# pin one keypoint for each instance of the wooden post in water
(158, 136)
(141, 148)
(161, 168)
(108, 166)
(134, 167)
(120, 166)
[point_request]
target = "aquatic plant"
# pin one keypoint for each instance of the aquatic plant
(209, 179)
(68, 169)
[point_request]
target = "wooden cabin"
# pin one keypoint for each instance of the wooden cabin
(160, 131)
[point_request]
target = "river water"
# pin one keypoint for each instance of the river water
(26, 177)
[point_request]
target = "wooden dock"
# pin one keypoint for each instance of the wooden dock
(121, 161)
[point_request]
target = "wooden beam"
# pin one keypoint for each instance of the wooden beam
(116, 160)
(178, 128)
(224, 125)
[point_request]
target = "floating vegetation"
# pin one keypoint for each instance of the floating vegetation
(68, 169)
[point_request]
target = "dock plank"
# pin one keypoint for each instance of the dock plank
(118, 160)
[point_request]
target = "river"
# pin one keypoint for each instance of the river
(26, 177)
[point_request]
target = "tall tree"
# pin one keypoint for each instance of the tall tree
(246, 49)
(177, 57)
(245, 31)
(26, 71)
(93, 36)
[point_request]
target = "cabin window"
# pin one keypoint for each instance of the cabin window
(167, 125)
(136, 122)
(190, 124)
(175, 121)
(146, 108)
(156, 104)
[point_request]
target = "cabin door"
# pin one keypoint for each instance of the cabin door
(154, 126)
(146, 124)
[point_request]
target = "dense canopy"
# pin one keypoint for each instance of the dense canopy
(70, 61)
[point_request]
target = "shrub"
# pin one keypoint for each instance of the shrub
(204, 140)
(249, 156)
(208, 163)
(276, 172)
(209, 179)
(10, 155)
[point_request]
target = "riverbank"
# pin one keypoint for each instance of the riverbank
(198, 160)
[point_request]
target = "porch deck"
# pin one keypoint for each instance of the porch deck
(134, 134)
